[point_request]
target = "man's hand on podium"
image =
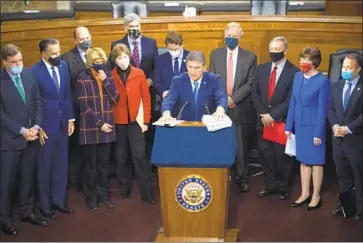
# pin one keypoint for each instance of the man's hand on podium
(166, 117)
(219, 113)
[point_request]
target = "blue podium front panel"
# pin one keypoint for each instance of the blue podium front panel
(194, 147)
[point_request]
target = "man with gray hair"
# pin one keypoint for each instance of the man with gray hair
(197, 92)
(144, 52)
(271, 91)
(237, 67)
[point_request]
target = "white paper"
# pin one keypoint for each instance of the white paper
(170, 123)
(290, 148)
(171, 4)
(215, 124)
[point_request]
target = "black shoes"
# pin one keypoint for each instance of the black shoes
(149, 200)
(296, 204)
(243, 187)
(48, 213)
(63, 209)
(318, 205)
(9, 229)
(34, 220)
(284, 195)
(338, 212)
(266, 192)
(107, 205)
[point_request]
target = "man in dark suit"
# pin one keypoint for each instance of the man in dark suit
(76, 60)
(196, 92)
(237, 67)
(271, 92)
(21, 118)
(171, 63)
(53, 80)
(345, 117)
(144, 52)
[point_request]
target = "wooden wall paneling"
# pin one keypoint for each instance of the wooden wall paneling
(200, 33)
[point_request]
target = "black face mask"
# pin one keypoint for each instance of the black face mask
(134, 33)
(55, 61)
(99, 67)
(276, 56)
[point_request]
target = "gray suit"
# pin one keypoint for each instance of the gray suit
(243, 115)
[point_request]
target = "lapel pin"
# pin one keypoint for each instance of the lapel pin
(358, 89)
(184, 60)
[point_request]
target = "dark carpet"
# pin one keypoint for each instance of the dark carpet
(258, 219)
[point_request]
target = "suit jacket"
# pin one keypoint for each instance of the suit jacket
(131, 95)
(57, 107)
(210, 95)
(278, 106)
(164, 72)
(244, 112)
(149, 53)
(15, 114)
(91, 116)
(308, 105)
(350, 117)
(75, 67)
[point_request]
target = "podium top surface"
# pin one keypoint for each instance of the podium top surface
(191, 145)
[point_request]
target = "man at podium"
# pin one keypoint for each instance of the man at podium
(197, 92)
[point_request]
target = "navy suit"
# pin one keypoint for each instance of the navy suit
(211, 94)
(348, 151)
(164, 72)
(53, 157)
(18, 157)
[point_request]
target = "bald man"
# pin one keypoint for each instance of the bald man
(75, 59)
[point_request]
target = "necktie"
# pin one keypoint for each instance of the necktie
(135, 54)
(195, 91)
(55, 79)
(176, 66)
(272, 83)
(347, 94)
(230, 75)
(20, 88)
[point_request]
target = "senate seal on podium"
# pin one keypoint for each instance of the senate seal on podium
(194, 194)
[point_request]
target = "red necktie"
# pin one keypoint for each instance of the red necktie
(272, 83)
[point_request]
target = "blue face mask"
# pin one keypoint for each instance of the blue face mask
(231, 42)
(347, 75)
(99, 67)
(16, 69)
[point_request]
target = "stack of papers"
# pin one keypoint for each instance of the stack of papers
(290, 148)
(214, 124)
(170, 123)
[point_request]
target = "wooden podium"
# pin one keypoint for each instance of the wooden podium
(193, 166)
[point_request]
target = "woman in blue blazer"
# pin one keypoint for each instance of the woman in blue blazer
(306, 118)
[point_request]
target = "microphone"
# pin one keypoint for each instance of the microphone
(181, 110)
(206, 109)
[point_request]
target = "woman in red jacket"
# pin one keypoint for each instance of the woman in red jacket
(132, 118)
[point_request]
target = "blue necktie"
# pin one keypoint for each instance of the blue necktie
(176, 66)
(195, 91)
(55, 79)
(347, 94)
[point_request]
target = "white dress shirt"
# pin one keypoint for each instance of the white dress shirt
(82, 53)
(280, 66)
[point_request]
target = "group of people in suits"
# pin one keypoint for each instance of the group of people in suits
(106, 105)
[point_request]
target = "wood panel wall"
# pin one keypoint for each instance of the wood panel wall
(200, 33)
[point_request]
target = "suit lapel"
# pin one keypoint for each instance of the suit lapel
(26, 89)
(8, 82)
(62, 79)
(223, 64)
(265, 82)
(183, 67)
(50, 79)
(340, 97)
(78, 57)
(201, 92)
(281, 81)
(357, 92)
(239, 67)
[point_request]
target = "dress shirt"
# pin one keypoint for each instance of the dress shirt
(82, 53)
(234, 59)
(280, 66)
(180, 60)
(12, 76)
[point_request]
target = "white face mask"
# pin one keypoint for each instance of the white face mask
(123, 63)
(175, 53)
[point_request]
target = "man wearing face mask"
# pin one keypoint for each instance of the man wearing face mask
(237, 67)
(345, 117)
(271, 91)
(76, 60)
(58, 123)
(171, 63)
(21, 118)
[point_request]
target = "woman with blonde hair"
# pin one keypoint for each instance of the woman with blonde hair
(96, 94)
(132, 118)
